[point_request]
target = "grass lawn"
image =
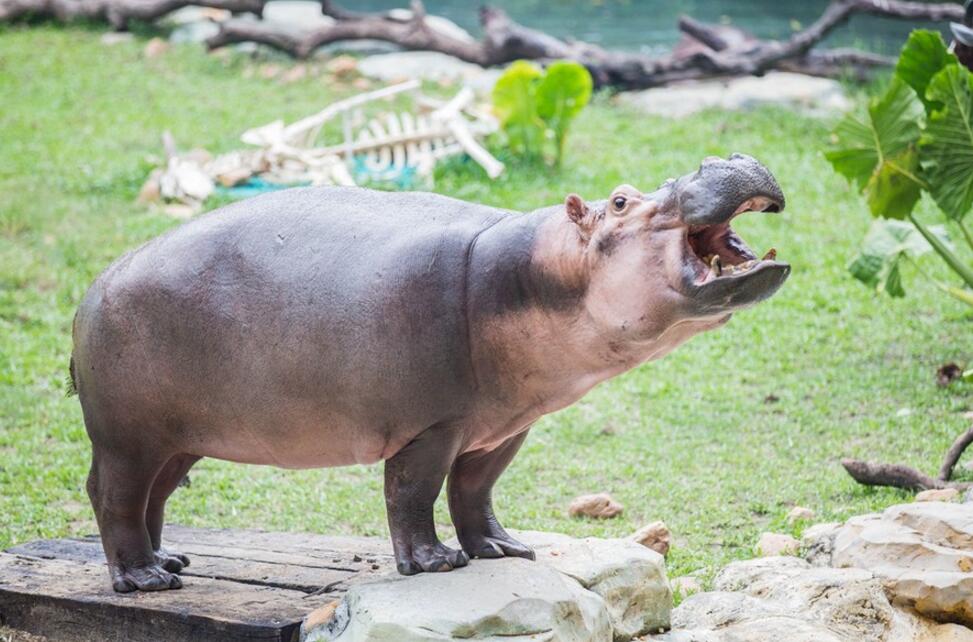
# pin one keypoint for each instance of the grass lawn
(719, 439)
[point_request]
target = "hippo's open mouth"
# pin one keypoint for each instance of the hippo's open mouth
(717, 252)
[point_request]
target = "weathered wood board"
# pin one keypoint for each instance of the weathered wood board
(240, 585)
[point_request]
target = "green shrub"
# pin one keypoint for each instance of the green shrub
(917, 137)
(536, 107)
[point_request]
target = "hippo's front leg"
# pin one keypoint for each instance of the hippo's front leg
(413, 478)
(471, 505)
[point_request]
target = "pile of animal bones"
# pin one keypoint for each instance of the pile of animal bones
(386, 147)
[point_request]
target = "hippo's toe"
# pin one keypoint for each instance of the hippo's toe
(171, 561)
(148, 578)
(485, 547)
(432, 559)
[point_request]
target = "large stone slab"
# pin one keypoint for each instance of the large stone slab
(807, 93)
(508, 599)
(582, 590)
(923, 552)
(786, 599)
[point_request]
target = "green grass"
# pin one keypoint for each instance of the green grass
(696, 439)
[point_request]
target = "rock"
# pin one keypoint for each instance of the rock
(817, 542)
(799, 514)
(655, 536)
(772, 544)
(150, 191)
(195, 24)
(903, 575)
(807, 93)
(600, 505)
(968, 497)
(301, 15)
(849, 602)
(295, 73)
(155, 48)
(342, 66)
(937, 495)
(922, 551)
(509, 599)
(629, 577)
(194, 32)
(115, 37)
(424, 65)
(584, 590)
(785, 598)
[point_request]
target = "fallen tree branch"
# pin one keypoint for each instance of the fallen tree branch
(901, 476)
(954, 453)
(874, 474)
(707, 50)
(116, 12)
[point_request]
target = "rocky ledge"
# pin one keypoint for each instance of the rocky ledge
(577, 590)
(903, 575)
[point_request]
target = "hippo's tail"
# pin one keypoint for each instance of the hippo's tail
(70, 384)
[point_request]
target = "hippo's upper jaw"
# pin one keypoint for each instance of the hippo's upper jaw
(720, 273)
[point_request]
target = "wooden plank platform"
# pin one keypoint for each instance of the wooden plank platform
(240, 585)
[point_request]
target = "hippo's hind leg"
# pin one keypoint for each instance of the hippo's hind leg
(471, 505)
(165, 483)
(119, 486)
(413, 478)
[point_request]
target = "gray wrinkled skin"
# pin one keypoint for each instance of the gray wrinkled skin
(333, 326)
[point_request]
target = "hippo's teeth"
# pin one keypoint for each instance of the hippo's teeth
(716, 265)
(770, 255)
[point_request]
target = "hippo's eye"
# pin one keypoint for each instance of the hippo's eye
(619, 202)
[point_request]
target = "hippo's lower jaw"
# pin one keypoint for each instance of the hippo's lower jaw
(721, 273)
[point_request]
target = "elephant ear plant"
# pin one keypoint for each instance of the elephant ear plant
(536, 107)
(917, 137)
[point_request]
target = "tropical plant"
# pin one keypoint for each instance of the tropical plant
(917, 137)
(536, 107)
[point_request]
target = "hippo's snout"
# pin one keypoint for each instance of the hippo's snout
(721, 189)
(720, 272)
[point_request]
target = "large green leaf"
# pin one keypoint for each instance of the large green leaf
(561, 95)
(923, 56)
(883, 248)
(876, 151)
(515, 104)
(947, 144)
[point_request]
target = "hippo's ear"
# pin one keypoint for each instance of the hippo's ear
(577, 210)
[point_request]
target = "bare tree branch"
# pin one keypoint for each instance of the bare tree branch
(707, 50)
(954, 453)
(116, 12)
(875, 474)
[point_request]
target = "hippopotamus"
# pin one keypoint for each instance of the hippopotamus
(329, 326)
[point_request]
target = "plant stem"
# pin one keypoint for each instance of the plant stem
(954, 262)
(966, 231)
(958, 293)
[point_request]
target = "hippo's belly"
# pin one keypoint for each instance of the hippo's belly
(324, 328)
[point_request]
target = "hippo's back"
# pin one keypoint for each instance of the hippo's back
(308, 327)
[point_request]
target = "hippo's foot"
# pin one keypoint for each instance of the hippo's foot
(171, 561)
(144, 578)
(431, 559)
(495, 544)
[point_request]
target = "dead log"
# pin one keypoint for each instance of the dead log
(954, 453)
(901, 476)
(116, 12)
(706, 50)
(875, 474)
